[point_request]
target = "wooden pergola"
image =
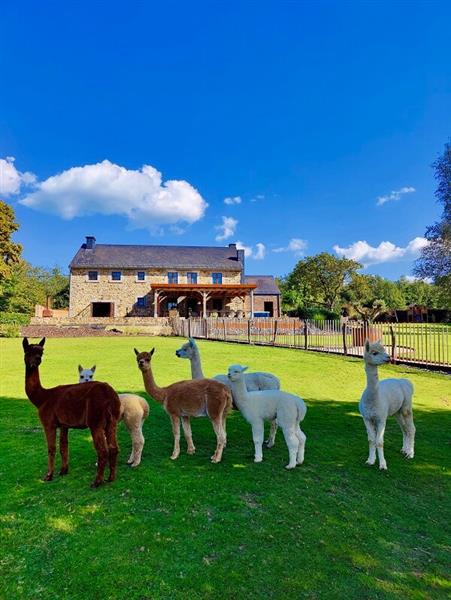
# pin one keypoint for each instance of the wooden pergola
(206, 291)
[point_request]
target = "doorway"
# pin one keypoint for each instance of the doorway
(102, 309)
(269, 307)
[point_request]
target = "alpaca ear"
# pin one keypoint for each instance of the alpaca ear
(42, 342)
(367, 346)
(93, 369)
(191, 341)
(80, 368)
(136, 351)
(244, 369)
(25, 344)
(152, 351)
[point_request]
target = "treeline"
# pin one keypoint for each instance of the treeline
(22, 285)
(324, 286)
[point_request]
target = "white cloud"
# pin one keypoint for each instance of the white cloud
(258, 197)
(227, 228)
(233, 200)
(412, 279)
(11, 180)
(394, 195)
(109, 189)
(258, 254)
(386, 251)
(295, 245)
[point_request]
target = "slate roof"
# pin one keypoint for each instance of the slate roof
(266, 285)
(167, 257)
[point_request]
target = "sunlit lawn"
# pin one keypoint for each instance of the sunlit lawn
(332, 528)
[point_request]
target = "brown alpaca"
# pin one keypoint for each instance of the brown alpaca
(95, 405)
(191, 398)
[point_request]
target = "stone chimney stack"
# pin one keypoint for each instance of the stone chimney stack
(90, 242)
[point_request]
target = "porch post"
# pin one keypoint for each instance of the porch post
(155, 304)
(252, 304)
(204, 307)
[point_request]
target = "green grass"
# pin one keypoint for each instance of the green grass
(332, 528)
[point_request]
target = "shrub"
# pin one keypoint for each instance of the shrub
(14, 318)
(9, 331)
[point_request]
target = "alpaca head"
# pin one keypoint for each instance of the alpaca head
(375, 353)
(236, 372)
(85, 375)
(33, 353)
(188, 350)
(143, 359)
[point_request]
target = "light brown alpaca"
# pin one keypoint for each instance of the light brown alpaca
(191, 398)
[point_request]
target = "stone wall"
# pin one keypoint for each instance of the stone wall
(259, 303)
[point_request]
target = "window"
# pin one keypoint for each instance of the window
(216, 277)
(172, 303)
(191, 277)
(173, 277)
(141, 302)
(116, 276)
(141, 276)
(217, 304)
(93, 275)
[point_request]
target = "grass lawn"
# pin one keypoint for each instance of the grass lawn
(189, 529)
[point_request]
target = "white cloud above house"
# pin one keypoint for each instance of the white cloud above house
(226, 229)
(257, 253)
(108, 189)
(295, 245)
(385, 252)
(12, 180)
(231, 200)
(394, 195)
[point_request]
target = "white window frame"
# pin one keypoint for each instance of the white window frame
(141, 280)
(92, 280)
(192, 273)
(110, 277)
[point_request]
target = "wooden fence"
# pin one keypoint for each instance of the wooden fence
(416, 343)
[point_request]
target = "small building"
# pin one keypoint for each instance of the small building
(114, 281)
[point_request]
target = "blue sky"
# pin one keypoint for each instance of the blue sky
(308, 112)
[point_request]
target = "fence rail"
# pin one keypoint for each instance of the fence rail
(416, 343)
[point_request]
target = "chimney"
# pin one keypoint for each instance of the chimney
(240, 257)
(90, 242)
(232, 246)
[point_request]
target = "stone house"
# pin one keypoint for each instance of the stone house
(116, 281)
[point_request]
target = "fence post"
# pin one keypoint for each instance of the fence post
(305, 335)
(343, 331)
(393, 344)
(225, 333)
(276, 322)
(189, 327)
(249, 331)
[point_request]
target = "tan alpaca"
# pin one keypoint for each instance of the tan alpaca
(134, 411)
(191, 398)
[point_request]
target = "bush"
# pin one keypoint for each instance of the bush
(315, 314)
(14, 318)
(9, 331)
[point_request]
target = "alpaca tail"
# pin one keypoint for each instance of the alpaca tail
(145, 407)
(302, 410)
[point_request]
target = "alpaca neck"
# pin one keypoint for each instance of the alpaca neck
(239, 393)
(157, 393)
(196, 366)
(372, 381)
(33, 387)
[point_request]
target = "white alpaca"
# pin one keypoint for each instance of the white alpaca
(268, 405)
(382, 399)
(254, 381)
(134, 411)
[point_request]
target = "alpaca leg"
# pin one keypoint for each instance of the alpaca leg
(113, 448)
(64, 450)
(220, 439)
(405, 435)
(98, 438)
(293, 443)
(269, 443)
(410, 431)
(176, 433)
(50, 434)
(380, 430)
(186, 424)
(301, 449)
(258, 433)
(371, 442)
(131, 430)
(138, 445)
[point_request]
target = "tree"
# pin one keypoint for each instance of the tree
(435, 258)
(320, 279)
(371, 295)
(421, 293)
(9, 251)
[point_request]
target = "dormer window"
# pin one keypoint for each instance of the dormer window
(173, 277)
(93, 275)
(116, 276)
(216, 278)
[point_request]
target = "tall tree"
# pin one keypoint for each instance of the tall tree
(435, 258)
(9, 251)
(320, 279)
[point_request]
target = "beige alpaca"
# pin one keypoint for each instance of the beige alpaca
(191, 398)
(134, 411)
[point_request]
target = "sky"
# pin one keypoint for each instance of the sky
(290, 128)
